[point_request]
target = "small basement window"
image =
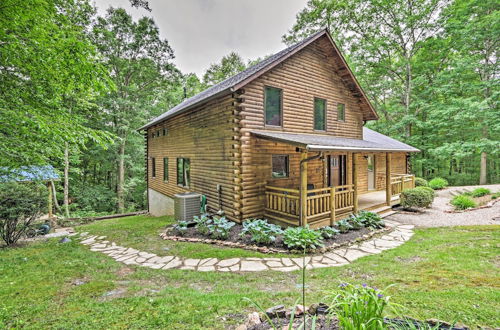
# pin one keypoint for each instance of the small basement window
(319, 114)
(183, 172)
(153, 167)
(272, 106)
(165, 169)
(280, 166)
(341, 112)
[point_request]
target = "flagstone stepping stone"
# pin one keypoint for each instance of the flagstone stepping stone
(252, 266)
(229, 262)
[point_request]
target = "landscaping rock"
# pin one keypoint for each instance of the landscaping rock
(276, 311)
(253, 319)
(318, 309)
(299, 310)
(65, 240)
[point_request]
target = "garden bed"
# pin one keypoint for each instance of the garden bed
(235, 240)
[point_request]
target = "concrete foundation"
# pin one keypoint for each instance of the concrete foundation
(160, 204)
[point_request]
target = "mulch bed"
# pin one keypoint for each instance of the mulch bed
(235, 240)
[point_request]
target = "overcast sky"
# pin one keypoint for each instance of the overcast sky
(202, 31)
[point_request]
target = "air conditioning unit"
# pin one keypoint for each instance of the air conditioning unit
(186, 206)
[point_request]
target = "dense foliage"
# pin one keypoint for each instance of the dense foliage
(479, 192)
(369, 219)
(260, 231)
(421, 182)
(417, 197)
(302, 238)
(20, 205)
(463, 202)
(438, 183)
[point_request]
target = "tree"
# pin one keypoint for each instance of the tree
(140, 65)
(229, 65)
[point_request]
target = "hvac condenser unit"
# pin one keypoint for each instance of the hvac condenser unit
(187, 205)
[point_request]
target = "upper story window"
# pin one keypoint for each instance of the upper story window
(280, 168)
(320, 114)
(183, 172)
(165, 169)
(272, 106)
(153, 167)
(165, 132)
(341, 112)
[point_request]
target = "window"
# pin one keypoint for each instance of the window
(153, 167)
(165, 169)
(153, 135)
(183, 169)
(165, 132)
(280, 166)
(319, 114)
(272, 100)
(341, 112)
(158, 133)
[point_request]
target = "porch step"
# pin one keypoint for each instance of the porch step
(381, 209)
(386, 214)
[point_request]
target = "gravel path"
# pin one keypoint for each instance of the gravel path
(437, 217)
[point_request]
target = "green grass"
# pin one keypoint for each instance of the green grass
(446, 273)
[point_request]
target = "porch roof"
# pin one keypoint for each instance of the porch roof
(372, 141)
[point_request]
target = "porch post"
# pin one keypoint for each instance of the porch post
(303, 188)
(355, 182)
(388, 192)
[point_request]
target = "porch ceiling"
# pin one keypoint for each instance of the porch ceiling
(372, 141)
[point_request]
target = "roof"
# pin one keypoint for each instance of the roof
(237, 81)
(30, 173)
(372, 141)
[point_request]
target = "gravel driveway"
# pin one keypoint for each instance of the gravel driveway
(437, 217)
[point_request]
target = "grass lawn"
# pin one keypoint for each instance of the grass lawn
(446, 273)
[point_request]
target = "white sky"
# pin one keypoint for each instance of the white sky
(202, 31)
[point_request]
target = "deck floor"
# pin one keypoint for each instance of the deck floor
(372, 198)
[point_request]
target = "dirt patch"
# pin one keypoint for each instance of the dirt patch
(124, 271)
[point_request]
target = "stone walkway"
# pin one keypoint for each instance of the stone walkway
(334, 258)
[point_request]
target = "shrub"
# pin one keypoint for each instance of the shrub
(421, 182)
(462, 202)
(329, 232)
(220, 228)
(93, 198)
(260, 231)
(417, 197)
(302, 238)
(344, 225)
(480, 192)
(438, 183)
(202, 223)
(495, 195)
(181, 227)
(20, 205)
(370, 220)
(358, 307)
(355, 222)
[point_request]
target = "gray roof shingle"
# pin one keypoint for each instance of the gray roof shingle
(372, 141)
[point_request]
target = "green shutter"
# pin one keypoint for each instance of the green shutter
(273, 106)
(319, 114)
(165, 169)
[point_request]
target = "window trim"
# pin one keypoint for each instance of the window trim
(281, 107)
(153, 167)
(165, 169)
(325, 110)
(287, 166)
(183, 184)
(338, 119)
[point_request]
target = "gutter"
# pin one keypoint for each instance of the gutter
(332, 148)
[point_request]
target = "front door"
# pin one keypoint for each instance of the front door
(336, 170)
(371, 172)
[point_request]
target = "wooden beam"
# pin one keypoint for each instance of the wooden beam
(332, 206)
(303, 188)
(355, 182)
(388, 166)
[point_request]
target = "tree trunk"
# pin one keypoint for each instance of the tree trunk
(121, 177)
(408, 94)
(483, 172)
(66, 181)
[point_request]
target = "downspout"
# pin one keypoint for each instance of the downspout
(318, 156)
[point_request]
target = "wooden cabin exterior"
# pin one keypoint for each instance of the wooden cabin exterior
(284, 140)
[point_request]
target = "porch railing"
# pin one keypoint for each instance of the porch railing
(400, 182)
(321, 203)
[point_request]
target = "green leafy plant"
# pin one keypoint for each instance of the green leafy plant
(181, 227)
(438, 183)
(344, 225)
(20, 205)
(421, 182)
(302, 238)
(355, 222)
(260, 231)
(417, 197)
(358, 307)
(495, 195)
(370, 219)
(480, 192)
(329, 232)
(220, 228)
(462, 202)
(202, 223)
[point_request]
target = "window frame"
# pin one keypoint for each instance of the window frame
(287, 166)
(343, 112)
(153, 167)
(184, 176)
(325, 112)
(165, 169)
(280, 108)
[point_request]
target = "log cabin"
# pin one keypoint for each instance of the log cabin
(283, 140)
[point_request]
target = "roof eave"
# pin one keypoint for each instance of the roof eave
(359, 149)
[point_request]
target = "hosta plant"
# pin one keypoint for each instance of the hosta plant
(220, 228)
(181, 227)
(355, 222)
(370, 219)
(202, 223)
(344, 225)
(302, 238)
(260, 231)
(329, 232)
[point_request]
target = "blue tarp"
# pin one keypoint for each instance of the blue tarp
(30, 173)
